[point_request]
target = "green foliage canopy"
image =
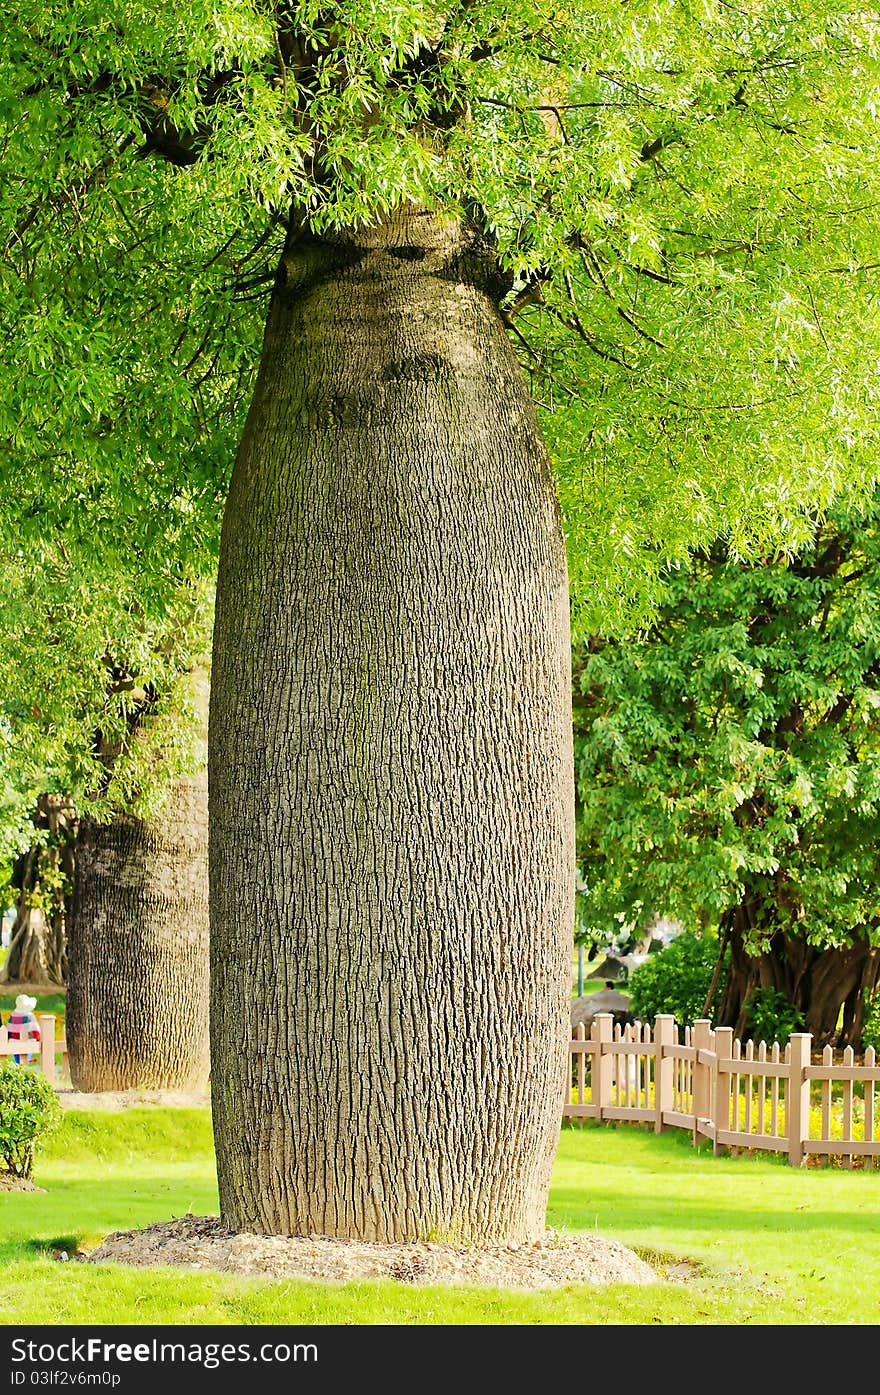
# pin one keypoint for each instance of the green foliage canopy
(682, 197)
(96, 701)
(675, 979)
(131, 335)
(733, 752)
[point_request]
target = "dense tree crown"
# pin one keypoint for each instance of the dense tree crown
(681, 199)
(95, 692)
(669, 211)
(731, 757)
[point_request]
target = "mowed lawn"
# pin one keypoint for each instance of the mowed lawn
(743, 1240)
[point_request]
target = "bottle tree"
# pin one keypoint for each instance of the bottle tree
(137, 992)
(103, 720)
(665, 215)
(729, 770)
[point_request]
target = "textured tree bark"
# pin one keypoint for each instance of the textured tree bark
(32, 952)
(391, 785)
(38, 949)
(137, 993)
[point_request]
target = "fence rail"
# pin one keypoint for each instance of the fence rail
(737, 1094)
(740, 1096)
(41, 1050)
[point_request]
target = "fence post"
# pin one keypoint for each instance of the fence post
(602, 1031)
(702, 1097)
(721, 1110)
(47, 1045)
(797, 1097)
(578, 1062)
(567, 1077)
(664, 1035)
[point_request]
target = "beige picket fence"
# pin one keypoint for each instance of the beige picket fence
(41, 1050)
(739, 1095)
(701, 1079)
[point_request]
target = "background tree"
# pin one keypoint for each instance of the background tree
(137, 1002)
(99, 713)
(132, 334)
(729, 770)
(41, 879)
(689, 195)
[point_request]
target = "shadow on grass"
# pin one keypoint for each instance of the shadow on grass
(60, 1247)
(75, 1214)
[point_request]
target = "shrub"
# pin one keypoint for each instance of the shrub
(675, 979)
(871, 1029)
(772, 1016)
(29, 1112)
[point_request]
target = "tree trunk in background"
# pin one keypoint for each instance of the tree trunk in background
(820, 983)
(44, 877)
(853, 1021)
(137, 996)
(391, 784)
(33, 956)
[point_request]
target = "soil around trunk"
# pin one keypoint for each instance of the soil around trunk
(203, 1242)
(116, 1100)
(9, 1183)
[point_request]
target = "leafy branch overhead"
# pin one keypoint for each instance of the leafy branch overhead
(682, 204)
(96, 698)
(682, 201)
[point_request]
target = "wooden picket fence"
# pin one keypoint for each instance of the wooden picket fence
(42, 1050)
(740, 1096)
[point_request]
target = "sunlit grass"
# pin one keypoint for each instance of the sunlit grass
(760, 1242)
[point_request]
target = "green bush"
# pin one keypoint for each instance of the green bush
(29, 1112)
(772, 1016)
(871, 1029)
(675, 979)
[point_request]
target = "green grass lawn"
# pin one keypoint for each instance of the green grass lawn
(763, 1243)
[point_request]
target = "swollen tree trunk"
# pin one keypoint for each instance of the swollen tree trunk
(391, 785)
(137, 994)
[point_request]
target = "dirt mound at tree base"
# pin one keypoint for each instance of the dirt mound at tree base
(115, 1100)
(202, 1242)
(9, 1183)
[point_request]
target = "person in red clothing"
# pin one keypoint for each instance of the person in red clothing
(23, 1024)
